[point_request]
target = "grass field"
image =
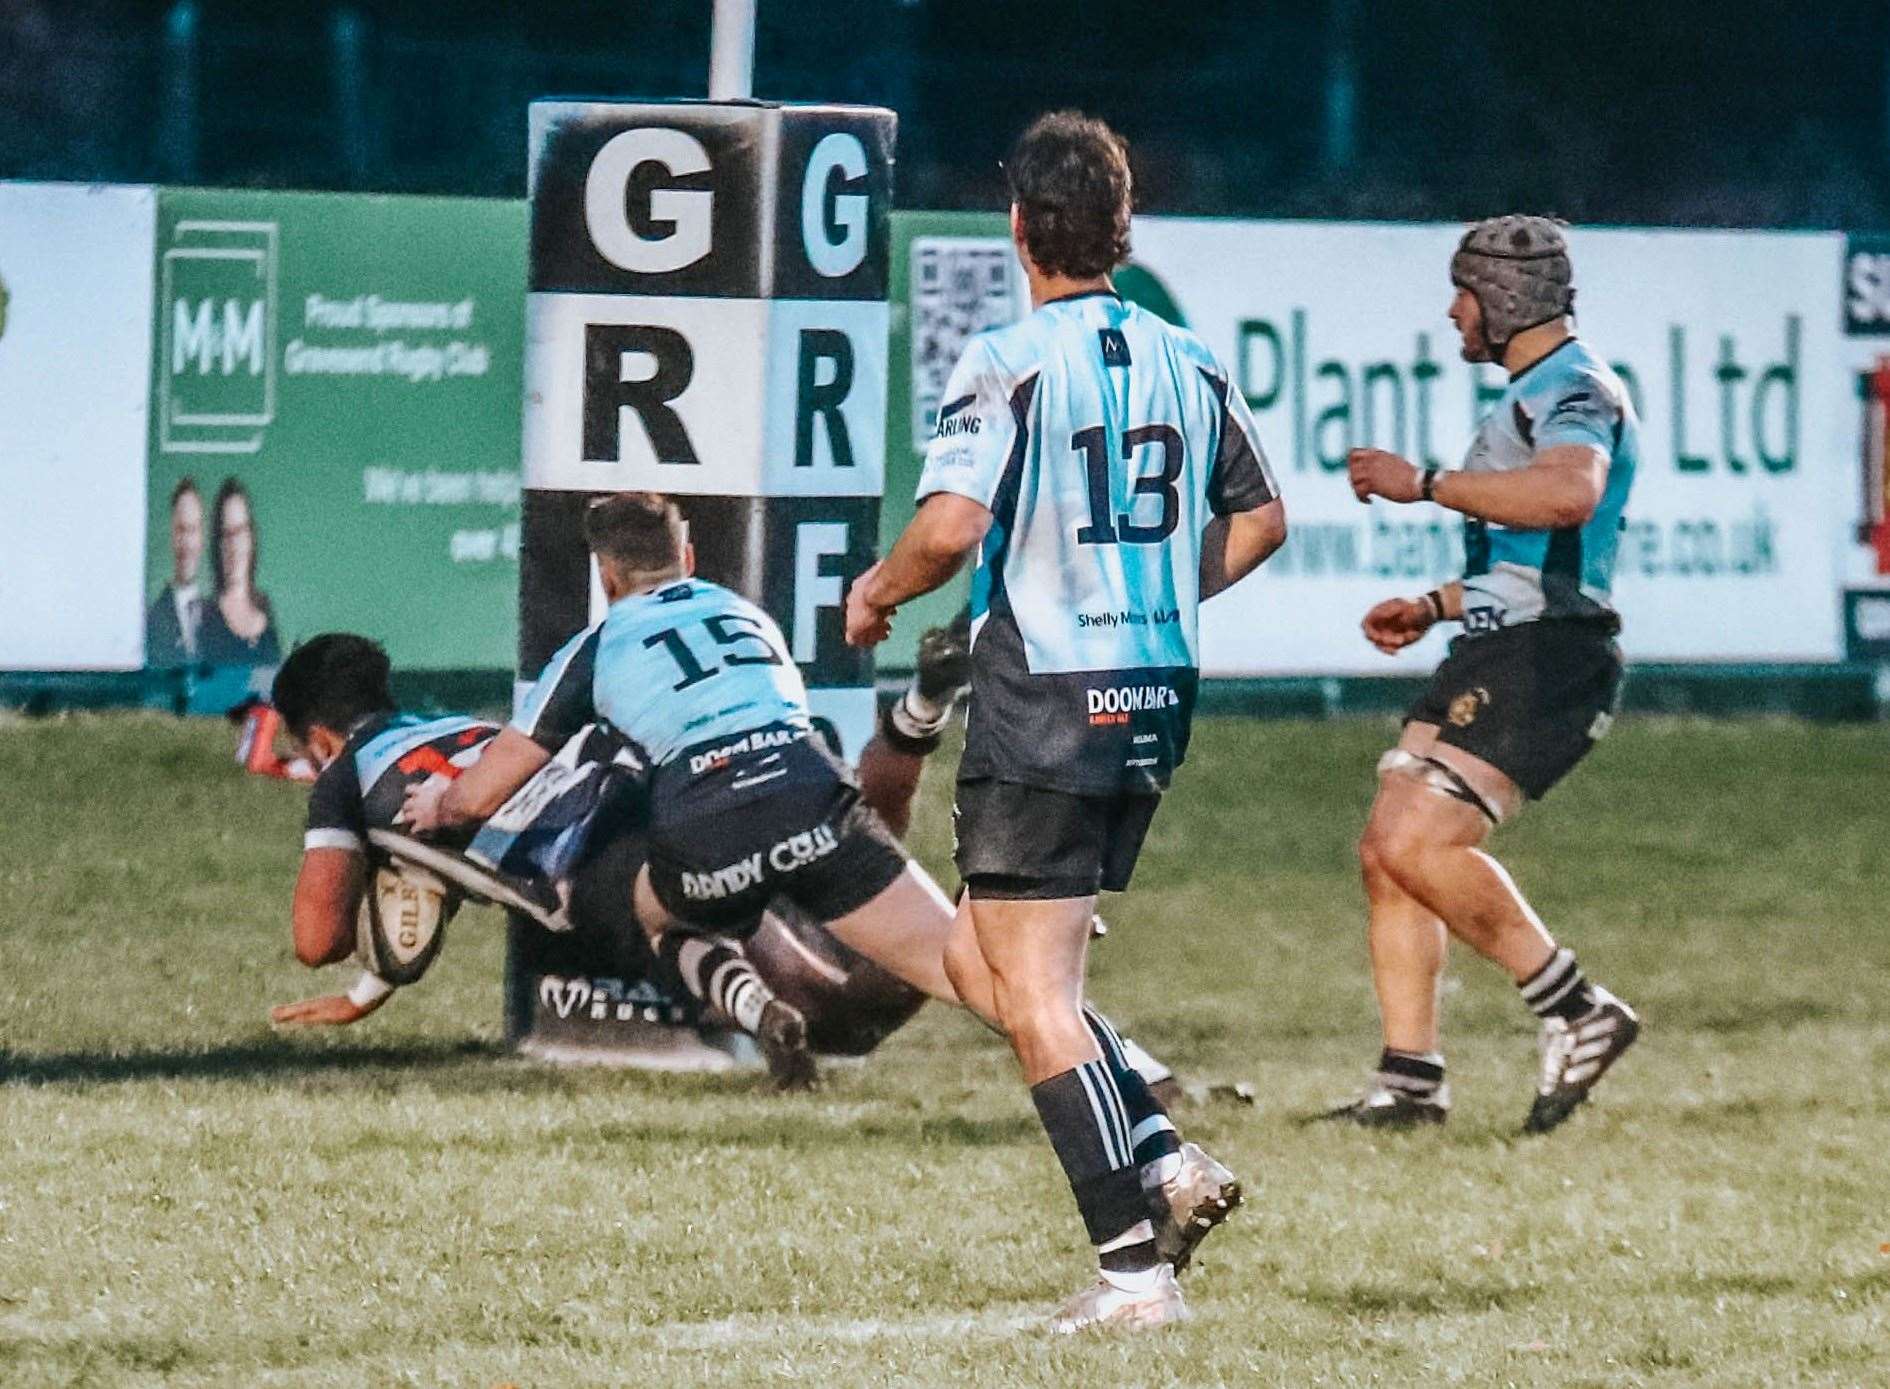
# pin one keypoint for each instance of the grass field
(189, 1198)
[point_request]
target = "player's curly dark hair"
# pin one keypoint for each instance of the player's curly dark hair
(1069, 177)
(335, 680)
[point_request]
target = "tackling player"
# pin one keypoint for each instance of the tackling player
(1527, 688)
(1108, 478)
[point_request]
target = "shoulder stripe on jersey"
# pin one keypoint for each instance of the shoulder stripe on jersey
(1234, 453)
(1004, 500)
(1524, 425)
(546, 687)
(382, 751)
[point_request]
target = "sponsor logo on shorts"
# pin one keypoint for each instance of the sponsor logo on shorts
(716, 758)
(797, 851)
(787, 856)
(1482, 620)
(1114, 704)
(1465, 707)
(719, 883)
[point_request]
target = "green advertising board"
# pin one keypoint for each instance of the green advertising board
(343, 372)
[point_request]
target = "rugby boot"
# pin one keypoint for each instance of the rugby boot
(1189, 1194)
(1104, 1306)
(1382, 1107)
(1577, 1054)
(784, 1043)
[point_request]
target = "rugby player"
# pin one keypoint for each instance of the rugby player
(1107, 478)
(333, 693)
(1527, 688)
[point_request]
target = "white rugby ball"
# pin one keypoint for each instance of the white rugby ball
(402, 923)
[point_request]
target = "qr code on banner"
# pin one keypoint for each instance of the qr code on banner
(960, 286)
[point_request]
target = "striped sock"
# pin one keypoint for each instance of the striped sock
(1152, 1135)
(1418, 1074)
(717, 972)
(1083, 1114)
(1559, 989)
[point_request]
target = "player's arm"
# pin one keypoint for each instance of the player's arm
(558, 705)
(1249, 522)
(1574, 438)
(1234, 546)
(1397, 622)
(963, 466)
(328, 894)
(1560, 488)
(933, 547)
(506, 763)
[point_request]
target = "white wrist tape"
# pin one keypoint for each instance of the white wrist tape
(369, 990)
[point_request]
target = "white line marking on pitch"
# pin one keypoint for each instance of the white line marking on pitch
(709, 1335)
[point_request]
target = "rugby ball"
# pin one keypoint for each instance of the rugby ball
(402, 923)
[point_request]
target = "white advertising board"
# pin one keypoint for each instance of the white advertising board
(75, 379)
(1730, 342)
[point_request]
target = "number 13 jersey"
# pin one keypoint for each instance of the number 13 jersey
(668, 669)
(1103, 441)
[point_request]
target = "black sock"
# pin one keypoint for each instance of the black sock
(1089, 1129)
(1559, 989)
(717, 972)
(1419, 1075)
(1151, 1133)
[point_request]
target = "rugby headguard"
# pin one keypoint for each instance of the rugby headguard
(1517, 267)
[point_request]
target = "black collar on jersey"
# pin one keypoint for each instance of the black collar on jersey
(1517, 376)
(1110, 293)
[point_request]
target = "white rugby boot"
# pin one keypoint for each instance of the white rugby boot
(1104, 1306)
(1577, 1054)
(1189, 1194)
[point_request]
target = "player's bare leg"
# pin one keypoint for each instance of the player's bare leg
(911, 930)
(1036, 951)
(1435, 808)
(715, 970)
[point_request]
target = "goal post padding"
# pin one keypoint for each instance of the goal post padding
(707, 318)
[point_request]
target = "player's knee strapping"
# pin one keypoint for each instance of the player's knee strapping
(1436, 776)
(1088, 1125)
(1152, 1133)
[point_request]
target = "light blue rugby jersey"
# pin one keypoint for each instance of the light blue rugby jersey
(1513, 576)
(1103, 440)
(680, 665)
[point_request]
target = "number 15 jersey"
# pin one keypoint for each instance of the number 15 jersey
(1103, 441)
(668, 669)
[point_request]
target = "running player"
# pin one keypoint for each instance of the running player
(1526, 690)
(1108, 478)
